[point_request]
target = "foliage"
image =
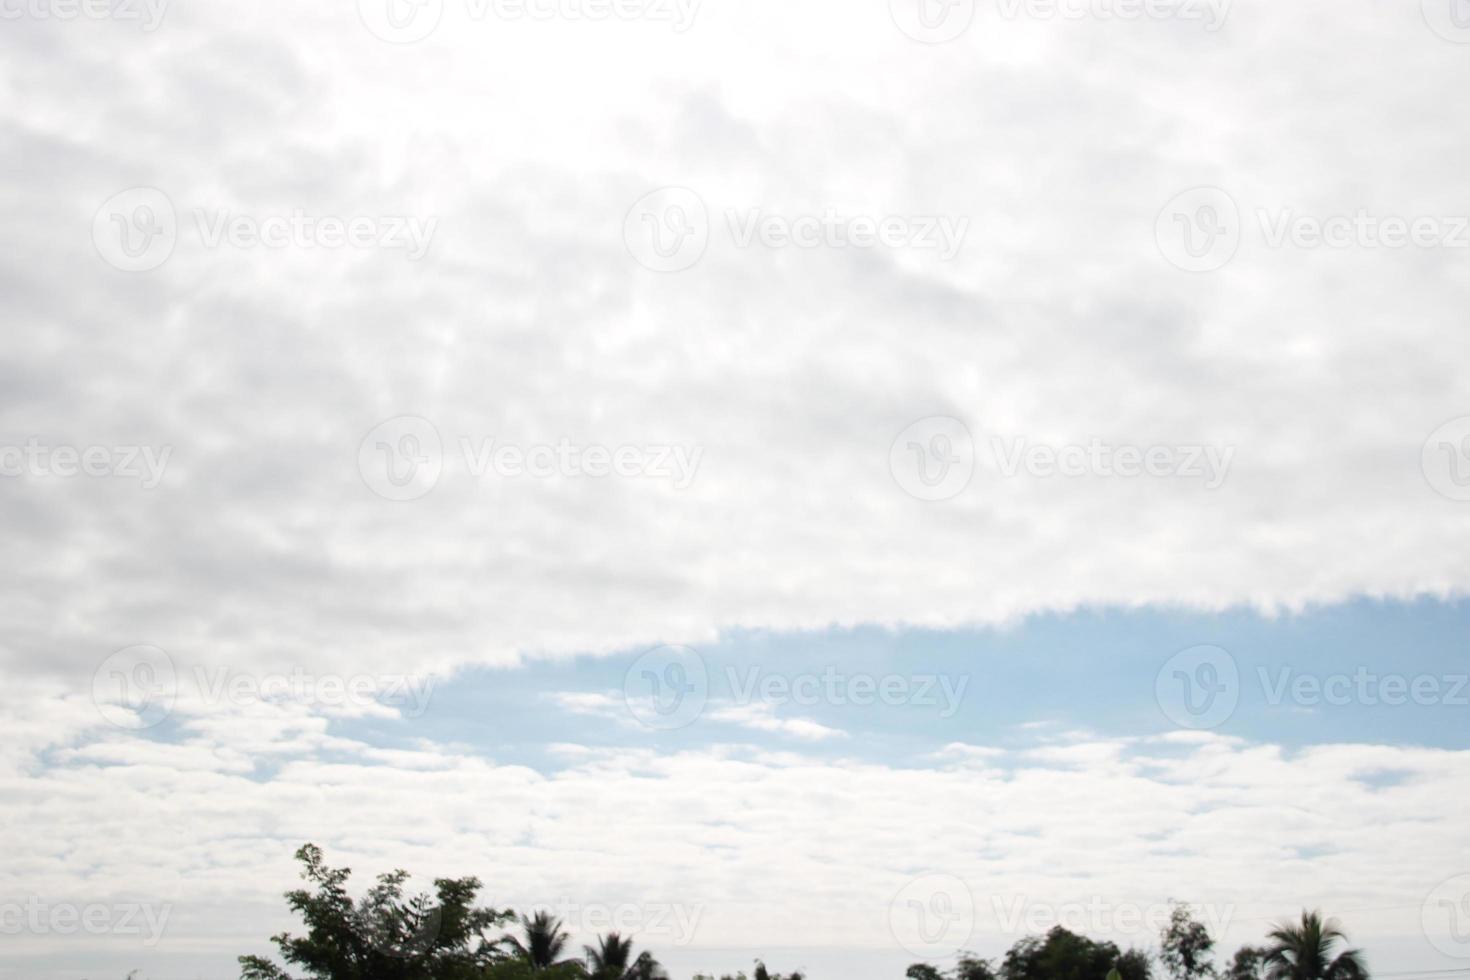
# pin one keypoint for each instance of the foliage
(1185, 945)
(384, 936)
(1303, 951)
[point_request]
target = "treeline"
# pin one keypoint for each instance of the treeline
(386, 935)
(1312, 949)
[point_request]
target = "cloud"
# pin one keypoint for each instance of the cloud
(529, 322)
(1031, 831)
(761, 716)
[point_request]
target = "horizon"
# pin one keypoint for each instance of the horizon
(844, 484)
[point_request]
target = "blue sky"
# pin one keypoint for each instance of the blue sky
(1089, 671)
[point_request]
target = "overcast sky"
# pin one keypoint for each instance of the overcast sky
(765, 462)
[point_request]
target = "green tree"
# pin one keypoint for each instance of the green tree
(923, 971)
(384, 936)
(1185, 945)
(612, 959)
(1304, 951)
(1248, 964)
(1134, 965)
(541, 942)
(1063, 955)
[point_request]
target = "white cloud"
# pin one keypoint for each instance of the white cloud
(761, 716)
(529, 322)
(1222, 822)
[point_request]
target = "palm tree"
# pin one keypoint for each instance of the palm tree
(544, 940)
(609, 960)
(1304, 952)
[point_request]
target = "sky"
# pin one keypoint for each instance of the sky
(838, 482)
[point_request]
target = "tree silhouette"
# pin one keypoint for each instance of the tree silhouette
(1304, 952)
(385, 936)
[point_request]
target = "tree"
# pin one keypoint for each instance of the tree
(1133, 965)
(385, 936)
(1248, 964)
(542, 941)
(923, 971)
(1304, 952)
(761, 974)
(1063, 955)
(1185, 946)
(610, 960)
